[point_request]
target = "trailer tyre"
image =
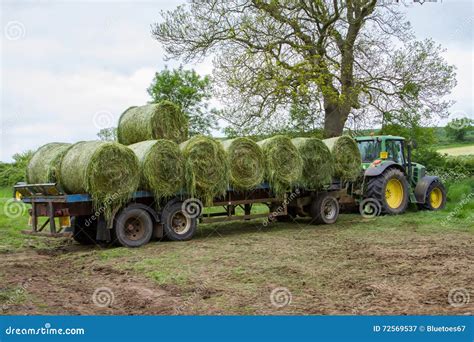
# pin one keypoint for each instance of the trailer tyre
(177, 225)
(133, 227)
(324, 209)
(84, 232)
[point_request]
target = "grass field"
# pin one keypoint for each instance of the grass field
(408, 264)
(458, 150)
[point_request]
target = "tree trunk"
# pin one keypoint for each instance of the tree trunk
(334, 120)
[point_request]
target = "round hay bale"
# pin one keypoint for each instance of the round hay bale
(283, 163)
(44, 164)
(246, 162)
(346, 155)
(207, 168)
(318, 164)
(161, 167)
(107, 171)
(163, 120)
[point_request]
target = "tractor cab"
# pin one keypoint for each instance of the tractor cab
(392, 179)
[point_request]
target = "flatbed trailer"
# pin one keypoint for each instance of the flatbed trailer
(143, 218)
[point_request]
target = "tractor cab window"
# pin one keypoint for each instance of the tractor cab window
(395, 151)
(369, 150)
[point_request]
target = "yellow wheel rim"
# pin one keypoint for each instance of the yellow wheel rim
(394, 193)
(436, 198)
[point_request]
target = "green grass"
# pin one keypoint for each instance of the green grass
(347, 267)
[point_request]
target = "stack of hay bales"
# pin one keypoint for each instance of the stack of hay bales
(318, 163)
(161, 167)
(159, 159)
(45, 163)
(207, 168)
(283, 163)
(163, 120)
(346, 155)
(246, 162)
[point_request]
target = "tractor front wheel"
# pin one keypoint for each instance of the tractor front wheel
(390, 189)
(435, 196)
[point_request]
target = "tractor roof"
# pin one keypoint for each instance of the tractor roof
(382, 137)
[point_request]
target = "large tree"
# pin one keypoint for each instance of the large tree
(191, 92)
(332, 59)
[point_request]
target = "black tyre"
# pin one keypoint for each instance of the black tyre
(390, 190)
(324, 209)
(177, 224)
(84, 230)
(292, 214)
(133, 227)
(435, 196)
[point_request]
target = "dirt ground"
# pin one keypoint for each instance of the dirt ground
(234, 269)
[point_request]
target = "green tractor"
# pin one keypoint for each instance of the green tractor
(392, 181)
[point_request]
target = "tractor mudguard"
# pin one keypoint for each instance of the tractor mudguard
(379, 169)
(422, 186)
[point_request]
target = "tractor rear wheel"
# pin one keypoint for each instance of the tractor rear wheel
(435, 196)
(390, 189)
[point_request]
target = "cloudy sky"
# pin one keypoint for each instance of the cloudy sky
(69, 68)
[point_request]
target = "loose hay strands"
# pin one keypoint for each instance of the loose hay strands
(44, 165)
(163, 120)
(207, 168)
(108, 171)
(318, 164)
(283, 163)
(161, 166)
(346, 154)
(246, 161)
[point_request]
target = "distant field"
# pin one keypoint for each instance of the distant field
(458, 151)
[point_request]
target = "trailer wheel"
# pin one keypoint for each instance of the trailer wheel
(177, 225)
(324, 209)
(292, 214)
(84, 231)
(133, 227)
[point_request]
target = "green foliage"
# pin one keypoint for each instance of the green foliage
(451, 169)
(457, 129)
(108, 134)
(408, 125)
(12, 173)
(191, 92)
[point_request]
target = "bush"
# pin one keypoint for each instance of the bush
(12, 173)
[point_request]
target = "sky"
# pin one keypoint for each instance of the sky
(70, 68)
